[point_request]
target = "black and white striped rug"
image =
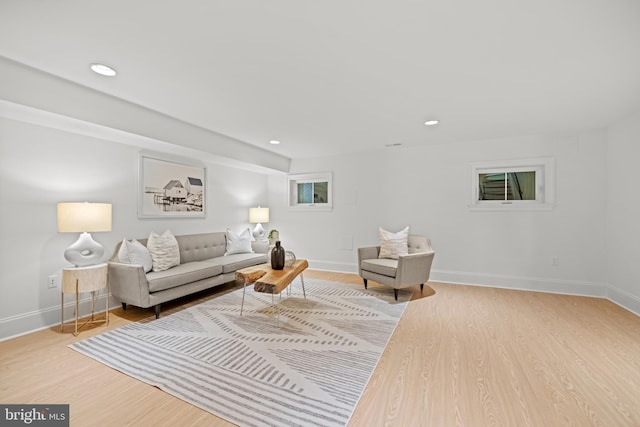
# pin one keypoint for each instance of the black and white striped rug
(307, 365)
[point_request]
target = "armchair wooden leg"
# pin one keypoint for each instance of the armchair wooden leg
(365, 283)
(157, 310)
(395, 293)
(421, 286)
(124, 305)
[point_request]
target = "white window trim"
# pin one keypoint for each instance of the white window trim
(302, 178)
(545, 184)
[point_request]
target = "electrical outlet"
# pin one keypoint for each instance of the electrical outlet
(51, 282)
(555, 261)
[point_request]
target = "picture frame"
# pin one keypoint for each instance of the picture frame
(170, 187)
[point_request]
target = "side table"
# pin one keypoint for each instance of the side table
(77, 280)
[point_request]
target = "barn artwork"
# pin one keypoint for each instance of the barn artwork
(169, 189)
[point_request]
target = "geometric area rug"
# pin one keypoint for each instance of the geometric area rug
(304, 364)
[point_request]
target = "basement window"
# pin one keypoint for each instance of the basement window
(310, 191)
(525, 184)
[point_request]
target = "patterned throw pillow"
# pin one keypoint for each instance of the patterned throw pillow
(239, 243)
(134, 252)
(164, 250)
(392, 245)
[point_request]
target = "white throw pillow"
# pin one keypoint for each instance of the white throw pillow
(134, 252)
(164, 250)
(239, 243)
(392, 245)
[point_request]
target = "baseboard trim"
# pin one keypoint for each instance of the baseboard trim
(339, 267)
(49, 317)
(26, 323)
(538, 284)
(617, 296)
(558, 286)
(624, 299)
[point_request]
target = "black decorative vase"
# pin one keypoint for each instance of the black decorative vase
(277, 257)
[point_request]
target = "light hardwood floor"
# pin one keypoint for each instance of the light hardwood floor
(461, 356)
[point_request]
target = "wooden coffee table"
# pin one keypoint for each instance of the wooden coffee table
(267, 280)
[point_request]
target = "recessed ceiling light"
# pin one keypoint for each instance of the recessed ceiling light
(431, 122)
(274, 142)
(103, 70)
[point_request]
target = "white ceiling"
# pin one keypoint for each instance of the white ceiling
(334, 76)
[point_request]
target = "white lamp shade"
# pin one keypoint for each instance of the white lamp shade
(83, 217)
(258, 215)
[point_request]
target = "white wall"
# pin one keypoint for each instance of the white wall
(41, 166)
(623, 212)
(428, 189)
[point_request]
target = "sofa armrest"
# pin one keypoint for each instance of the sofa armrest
(128, 283)
(414, 268)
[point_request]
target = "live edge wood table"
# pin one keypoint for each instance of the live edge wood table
(268, 280)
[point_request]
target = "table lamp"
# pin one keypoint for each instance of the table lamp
(84, 218)
(257, 216)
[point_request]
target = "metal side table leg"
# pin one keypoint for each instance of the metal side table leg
(244, 287)
(62, 312)
(276, 310)
(77, 308)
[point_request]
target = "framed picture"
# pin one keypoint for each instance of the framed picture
(169, 188)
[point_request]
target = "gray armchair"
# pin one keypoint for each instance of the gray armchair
(408, 270)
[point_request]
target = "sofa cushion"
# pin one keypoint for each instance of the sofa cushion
(231, 263)
(200, 247)
(182, 274)
(385, 266)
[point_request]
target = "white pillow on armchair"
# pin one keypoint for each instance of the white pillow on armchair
(392, 245)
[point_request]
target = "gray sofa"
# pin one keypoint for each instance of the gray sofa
(203, 265)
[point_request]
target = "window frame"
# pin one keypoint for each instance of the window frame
(544, 187)
(309, 178)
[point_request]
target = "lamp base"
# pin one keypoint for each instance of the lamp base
(259, 233)
(84, 251)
